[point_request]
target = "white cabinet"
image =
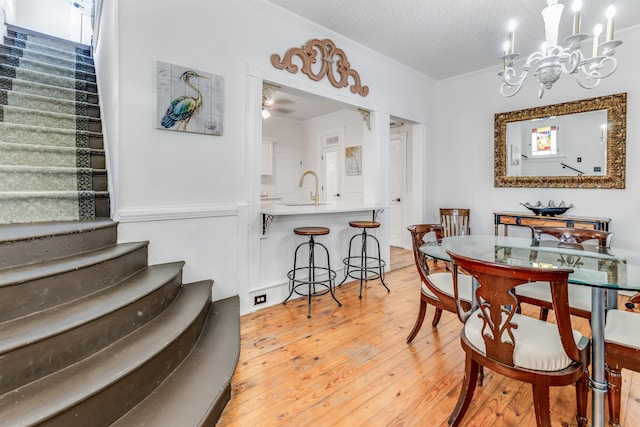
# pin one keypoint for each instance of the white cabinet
(266, 166)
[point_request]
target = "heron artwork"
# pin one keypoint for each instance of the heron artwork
(184, 107)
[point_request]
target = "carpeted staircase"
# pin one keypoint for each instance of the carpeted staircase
(52, 160)
(90, 334)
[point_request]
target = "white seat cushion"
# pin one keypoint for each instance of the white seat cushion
(622, 327)
(579, 296)
(444, 282)
(538, 344)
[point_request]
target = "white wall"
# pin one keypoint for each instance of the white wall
(196, 197)
(55, 17)
(7, 12)
(461, 163)
(288, 136)
(305, 139)
(351, 128)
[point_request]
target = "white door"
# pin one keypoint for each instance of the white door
(397, 186)
(331, 173)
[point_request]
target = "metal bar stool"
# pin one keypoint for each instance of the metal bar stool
(362, 266)
(314, 286)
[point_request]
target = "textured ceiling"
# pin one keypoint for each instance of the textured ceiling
(445, 38)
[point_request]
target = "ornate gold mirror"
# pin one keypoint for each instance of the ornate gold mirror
(579, 144)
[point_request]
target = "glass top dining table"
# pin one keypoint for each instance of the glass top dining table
(601, 269)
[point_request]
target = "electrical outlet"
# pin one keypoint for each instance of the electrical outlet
(597, 169)
(579, 160)
(259, 299)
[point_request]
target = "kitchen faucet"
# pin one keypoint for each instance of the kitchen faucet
(315, 198)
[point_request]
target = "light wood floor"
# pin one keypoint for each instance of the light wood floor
(350, 366)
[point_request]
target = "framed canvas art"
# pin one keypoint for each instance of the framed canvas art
(353, 161)
(189, 100)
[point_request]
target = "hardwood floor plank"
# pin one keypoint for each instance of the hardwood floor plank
(351, 366)
(392, 396)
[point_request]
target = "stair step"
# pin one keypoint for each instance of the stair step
(48, 91)
(26, 134)
(42, 178)
(41, 67)
(78, 55)
(46, 78)
(204, 376)
(44, 58)
(32, 288)
(98, 390)
(40, 155)
(45, 39)
(27, 116)
(44, 206)
(42, 103)
(42, 343)
(33, 243)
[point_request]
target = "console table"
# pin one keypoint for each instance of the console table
(525, 219)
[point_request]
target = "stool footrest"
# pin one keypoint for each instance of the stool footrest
(299, 281)
(369, 262)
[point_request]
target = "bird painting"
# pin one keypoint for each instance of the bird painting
(184, 107)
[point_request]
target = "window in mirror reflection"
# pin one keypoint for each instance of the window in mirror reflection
(544, 141)
(564, 145)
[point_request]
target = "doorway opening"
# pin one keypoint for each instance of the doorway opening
(400, 192)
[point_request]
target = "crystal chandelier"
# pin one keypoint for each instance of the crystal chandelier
(553, 60)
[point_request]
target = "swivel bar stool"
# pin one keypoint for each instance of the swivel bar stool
(362, 266)
(310, 285)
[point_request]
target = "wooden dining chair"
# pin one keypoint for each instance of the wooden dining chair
(579, 296)
(495, 336)
(621, 351)
(437, 288)
(455, 222)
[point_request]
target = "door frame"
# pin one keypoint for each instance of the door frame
(402, 137)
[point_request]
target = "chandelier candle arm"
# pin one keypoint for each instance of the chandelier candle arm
(512, 35)
(553, 60)
(611, 13)
(597, 30)
(577, 5)
(551, 15)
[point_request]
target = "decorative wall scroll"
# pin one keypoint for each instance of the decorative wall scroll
(330, 55)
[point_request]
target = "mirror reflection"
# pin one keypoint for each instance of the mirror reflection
(566, 145)
(578, 144)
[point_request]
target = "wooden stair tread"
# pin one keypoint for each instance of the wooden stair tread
(64, 390)
(25, 273)
(204, 374)
(26, 330)
(11, 233)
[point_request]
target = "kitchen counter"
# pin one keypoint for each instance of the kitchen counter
(308, 208)
(270, 209)
(278, 242)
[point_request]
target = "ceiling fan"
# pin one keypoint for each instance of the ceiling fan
(279, 104)
(274, 101)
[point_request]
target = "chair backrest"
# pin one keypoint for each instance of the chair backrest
(455, 221)
(575, 236)
(418, 233)
(498, 303)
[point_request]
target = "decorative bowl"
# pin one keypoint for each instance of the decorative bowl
(550, 210)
